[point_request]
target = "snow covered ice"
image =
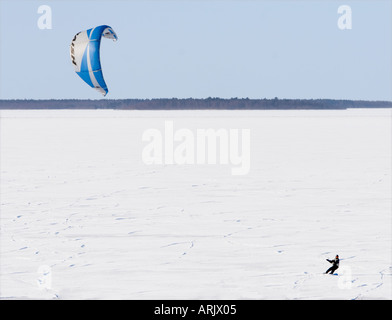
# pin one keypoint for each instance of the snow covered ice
(83, 217)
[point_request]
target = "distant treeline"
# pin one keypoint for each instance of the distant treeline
(193, 104)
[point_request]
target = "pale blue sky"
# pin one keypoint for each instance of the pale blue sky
(255, 49)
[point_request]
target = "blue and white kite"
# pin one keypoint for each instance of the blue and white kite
(85, 55)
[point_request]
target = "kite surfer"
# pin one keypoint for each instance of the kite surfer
(335, 265)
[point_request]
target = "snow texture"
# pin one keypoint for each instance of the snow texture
(83, 217)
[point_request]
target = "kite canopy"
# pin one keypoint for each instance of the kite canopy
(85, 55)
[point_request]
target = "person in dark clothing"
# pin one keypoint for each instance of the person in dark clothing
(335, 265)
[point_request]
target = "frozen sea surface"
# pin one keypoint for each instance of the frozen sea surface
(83, 217)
